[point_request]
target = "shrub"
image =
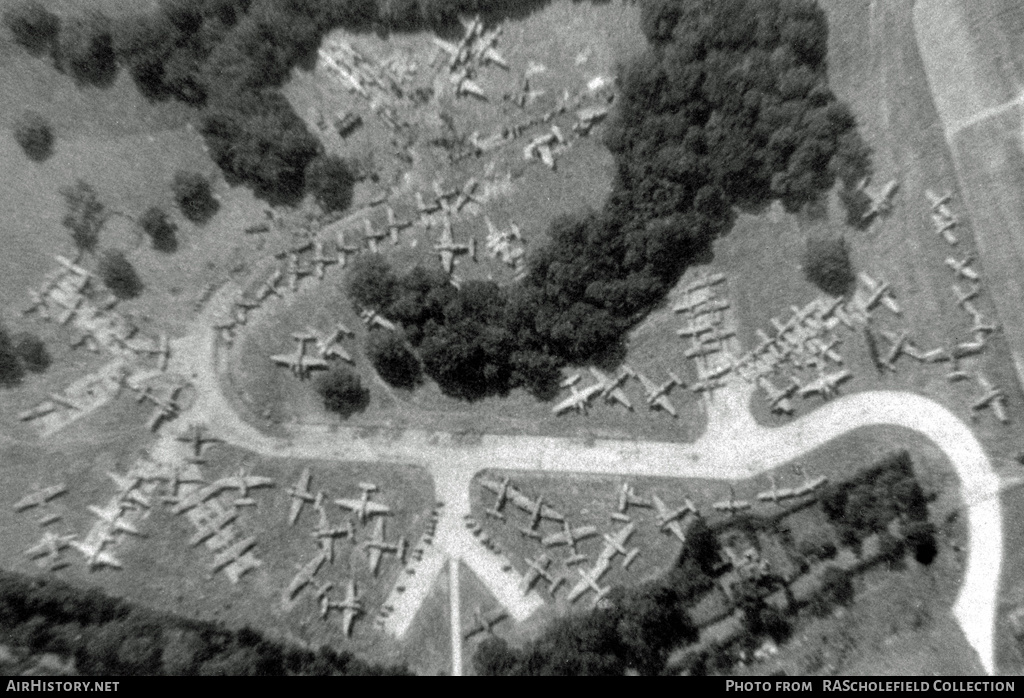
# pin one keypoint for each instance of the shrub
(11, 370)
(330, 180)
(393, 359)
(85, 215)
(343, 392)
(32, 352)
(194, 196)
(33, 26)
(827, 265)
(920, 537)
(836, 589)
(371, 282)
(35, 135)
(119, 275)
(86, 50)
(160, 229)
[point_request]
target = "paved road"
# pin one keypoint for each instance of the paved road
(733, 447)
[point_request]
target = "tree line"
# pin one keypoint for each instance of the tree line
(113, 637)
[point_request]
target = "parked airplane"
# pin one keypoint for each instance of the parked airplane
(351, 607)
(363, 508)
(377, 546)
(776, 494)
(944, 227)
(981, 329)
(657, 395)
(465, 85)
(210, 528)
(963, 297)
(537, 569)
(73, 267)
(501, 489)
(670, 519)
(325, 535)
(589, 580)
(49, 546)
(448, 249)
(197, 436)
(937, 201)
(467, 193)
(826, 384)
(305, 575)
(536, 508)
(232, 553)
(628, 498)
(610, 387)
(40, 497)
(899, 343)
(322, 260)
(166, 408)
(300, 363)
(778, 398)
(881, 202)
(579, 400)
(616, 544)
(569, 536)
(878, 292)
(94, 553)
(243, 483)
(993, 397)
(394, 225)
(809, 484)
(112, 516)
(732, 505)
(300, 494)
(126, 488)
(483, 622)
(962, 267)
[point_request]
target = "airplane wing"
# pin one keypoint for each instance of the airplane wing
(293, 515)
(284, 360)
(258, 481)
(676, 529)
(377, 508)
(520, 500)
(348, 616)
(373, 557)
(38, 550)
(620, 395)
(555, 539)
(659, 506)
(648, 384)
(550, 514)
(579, 590)
(492, 617)
(567, 404)
(314, 363)
(105, 558)
(447, 260)
(350, 504)
(664, 403)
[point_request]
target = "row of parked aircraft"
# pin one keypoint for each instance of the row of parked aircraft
(325, 348)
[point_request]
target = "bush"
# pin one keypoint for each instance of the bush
(330, 180)
(86, 50)
(827, 265)
(11, 370)
(85, 215)
(35, 135)
(393, 359)
(160, 229)
(371, 282)
(343, 392)
(119, 275)
(194, 196)
(836, 589)
(920, 537)
(33, 26)
(32, 352)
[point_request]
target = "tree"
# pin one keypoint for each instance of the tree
(160, 229)
(393, 359)
(371, 282)
(11, 370)
(35, 135)
(827, 265)
(86, 50)
(920, 537)
(119, 275)
(85, 216)
(33, 26)
(330, 180)
(194, 196)
(32, 352)
(343, 392)
(836, 589)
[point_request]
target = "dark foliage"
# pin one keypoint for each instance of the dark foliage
(161, 231)
(342, 392)
(86, 50)
(33, 26)
(35, 135)
(870, 501)
(836, 590)
(371, 282)
(920, 538)
(330, 180)
(32, 352)
(108, 636)
(827, 265)
(118, 274)
(85, 215)
(11, 370)
(194, 196)
(393, 359)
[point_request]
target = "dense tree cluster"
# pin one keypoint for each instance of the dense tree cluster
(118, 274)
(194, 196)
(34, 134)
(874, 498)
(108, 636)
(159, 228)
(636, 630)
(86, 49)
(11, 369)
(827, 265)
(393, 359)
(836, 590)
(33, 26)
(85, 214)
(32, 352)
(330, 180)
(342, 392)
